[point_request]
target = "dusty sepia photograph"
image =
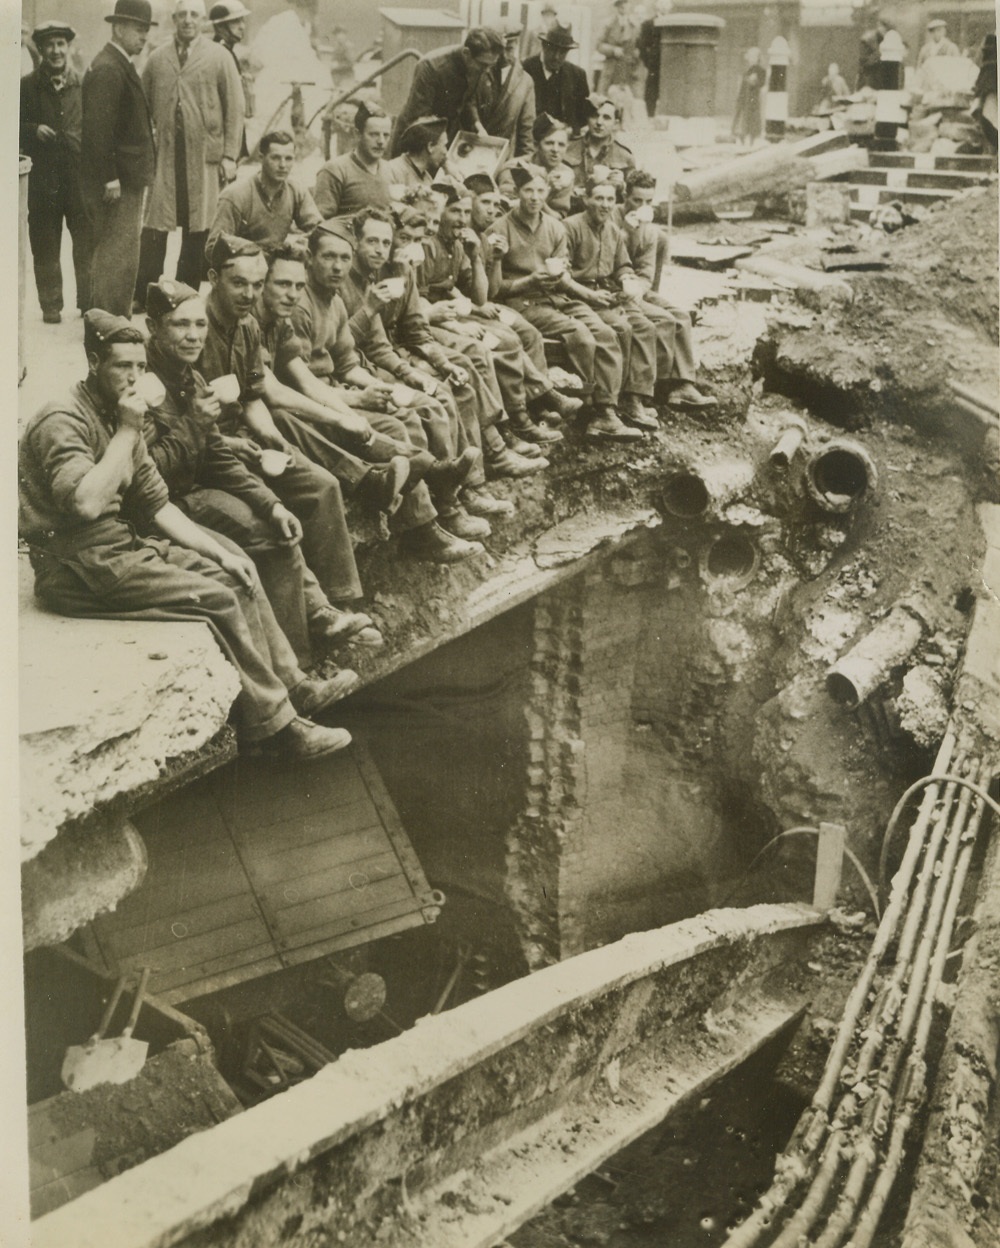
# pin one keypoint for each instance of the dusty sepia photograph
(507, 625)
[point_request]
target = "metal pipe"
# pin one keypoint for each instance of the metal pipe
(840, 474)
(786, 447)
(866, 666)
(974, 399)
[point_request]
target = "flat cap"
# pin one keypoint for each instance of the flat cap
(937, 23)
(165, 295)
(229, 11)
(228, 247)
(544, 125)
(49, 30)
(339, 227)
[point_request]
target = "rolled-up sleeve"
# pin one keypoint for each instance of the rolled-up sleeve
(63, 451)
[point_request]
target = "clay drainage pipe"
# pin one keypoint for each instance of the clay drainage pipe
(685, 495)
(857, 674)
(786, 447)
(731, 558)
(839, 475)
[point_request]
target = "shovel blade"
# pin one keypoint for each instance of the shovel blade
(107, 1061)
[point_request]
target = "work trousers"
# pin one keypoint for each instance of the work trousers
(133, 578)
(472, 409)
(637, 339)
(518, 379)
(114, 262)
(53, 199)
(406, 430)
(291, 587)
(591, 345)
(536, 370)
(675, 358)
(153, 255)
(312, 492)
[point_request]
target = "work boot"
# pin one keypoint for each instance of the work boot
(633, 412)
(305, 740)
(459, 523)
(367, 639)
(477, 502)
(688, 395)
(553, 404)
(332, 627)
(529, 432)
(604, 424)
(52, 316)
(446, 475)
(508, 463)
(527, 450)
(381, 485)
(431, 543)
(312, 697)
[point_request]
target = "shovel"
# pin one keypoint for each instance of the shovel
(108, 1061)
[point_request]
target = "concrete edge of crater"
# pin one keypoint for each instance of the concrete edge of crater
(217, 1173)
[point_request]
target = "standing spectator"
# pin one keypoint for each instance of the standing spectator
(446, 84)
(230, 22)
(264, 208)
(561, 88)
(196, 102)
(869, 56)
(117, 157)
(508, 106)
(358, 180)
(51, 122)
(937, 42)
(833, 87)
(748, 123)
(648, 49)
(984, 106)
(341, 60)
(617, 44)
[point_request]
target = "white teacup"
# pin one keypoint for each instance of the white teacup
(402, 395)
(507, 316)
(150, 390)
(395, 286)
(273, 463)
(633, 286)
(413, 252)
(498, 243)
(555, 265)
(226, 389)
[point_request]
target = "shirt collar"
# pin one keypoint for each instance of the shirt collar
(121, 51)
(216, 320)
(375, 169)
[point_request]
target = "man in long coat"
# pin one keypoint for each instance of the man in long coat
(51, 121)
(446, 84)
(117, 157)
(507, 97)
(561, 88)
(196, 102)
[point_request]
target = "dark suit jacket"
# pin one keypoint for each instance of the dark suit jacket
(441, 87)
(52, 164)
(117, 140)
(564, 95)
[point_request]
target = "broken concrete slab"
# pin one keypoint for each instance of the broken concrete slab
(104, 705)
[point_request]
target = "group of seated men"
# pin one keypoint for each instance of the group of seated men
(384, 340)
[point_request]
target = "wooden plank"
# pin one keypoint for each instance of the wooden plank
(288, 893)
(187, 924)
(194, 952)
(829, 865)
(320, 855)
(391, 821)
(334, 942)
(170, 895)
(344, 910)
(236, 968)
(321, 825)
(266, 792)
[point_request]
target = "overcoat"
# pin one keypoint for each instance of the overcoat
(443, 86)
(562, 95)
(508, 110)
(117, 140)
(209, 92)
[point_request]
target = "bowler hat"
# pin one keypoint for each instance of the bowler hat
(49, 30)
(138, 11)
(231, 11)
(560, 37)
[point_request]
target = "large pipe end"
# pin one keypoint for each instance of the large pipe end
(730, 559)
(840, 474)
(842, 689)
(787, 446)
(686, 495)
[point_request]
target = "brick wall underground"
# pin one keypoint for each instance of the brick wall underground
(630, 818)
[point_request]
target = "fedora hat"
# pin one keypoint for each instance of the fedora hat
(138, 11)
(229, 12)
(560, 37)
